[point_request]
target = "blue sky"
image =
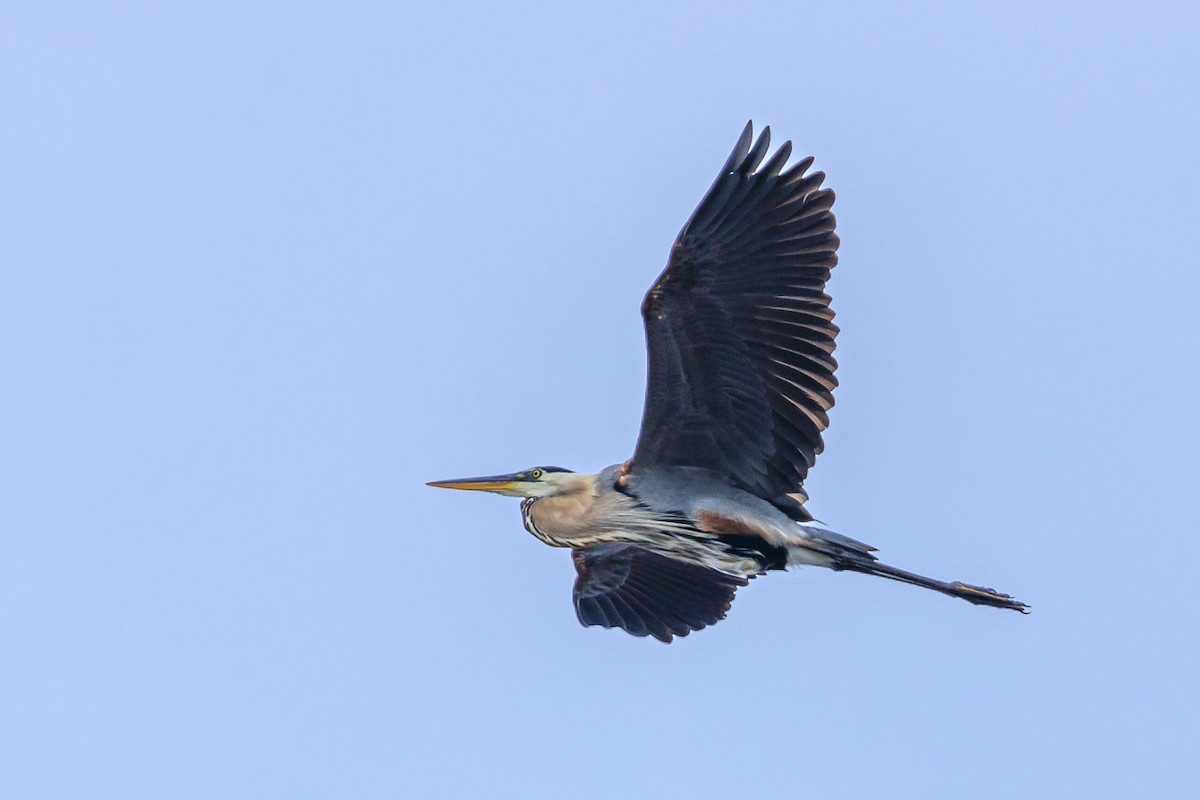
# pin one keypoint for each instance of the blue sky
(268, 270)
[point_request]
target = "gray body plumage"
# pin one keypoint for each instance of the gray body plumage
(661, 509)
(740, 339)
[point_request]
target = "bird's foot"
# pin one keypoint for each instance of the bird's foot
(982, 596)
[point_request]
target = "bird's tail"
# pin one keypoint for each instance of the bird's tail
(836, 551)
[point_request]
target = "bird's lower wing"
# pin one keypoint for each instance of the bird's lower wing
(649, 594)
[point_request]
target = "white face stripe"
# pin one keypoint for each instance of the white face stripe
(551, 483)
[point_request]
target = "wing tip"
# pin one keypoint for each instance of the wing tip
(740, 150)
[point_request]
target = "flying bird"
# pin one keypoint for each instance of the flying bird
(740, 339)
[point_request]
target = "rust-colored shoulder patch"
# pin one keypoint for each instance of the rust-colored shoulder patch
(623, 474)
(724, 524)
(712, 522)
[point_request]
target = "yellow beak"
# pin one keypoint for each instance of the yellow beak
(492, 483)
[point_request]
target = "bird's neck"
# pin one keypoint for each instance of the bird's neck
(562, 519)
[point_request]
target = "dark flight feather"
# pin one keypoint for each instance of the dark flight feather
(646, 593)
(739, 330)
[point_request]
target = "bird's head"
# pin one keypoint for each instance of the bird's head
(533, 482)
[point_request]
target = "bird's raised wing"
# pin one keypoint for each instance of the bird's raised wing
(739, 329)
(645, 593)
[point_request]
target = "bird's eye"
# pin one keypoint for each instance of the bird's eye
(537, 474)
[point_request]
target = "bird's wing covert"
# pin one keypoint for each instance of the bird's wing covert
(646, 593)
(739, 331)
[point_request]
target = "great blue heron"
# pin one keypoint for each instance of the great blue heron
(740, 338)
